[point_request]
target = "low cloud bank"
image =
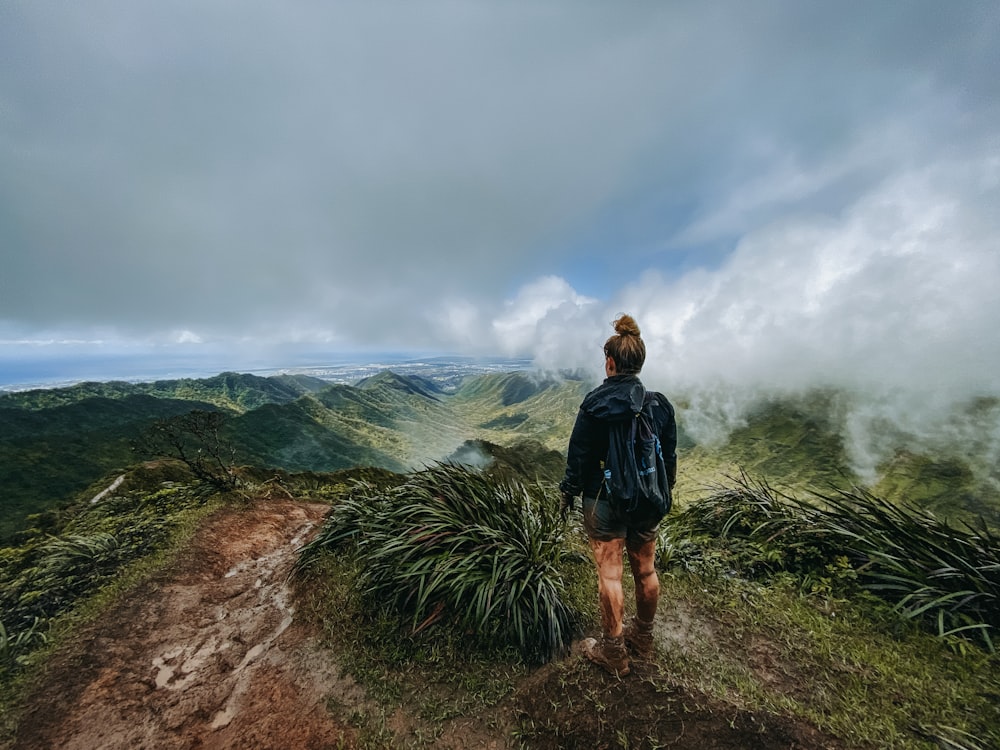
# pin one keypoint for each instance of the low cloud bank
(893, 302)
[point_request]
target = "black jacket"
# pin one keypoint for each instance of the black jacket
(618, 397)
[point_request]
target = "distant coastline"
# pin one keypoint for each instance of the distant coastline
(16, 377)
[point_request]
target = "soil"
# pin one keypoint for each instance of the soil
(209, 654)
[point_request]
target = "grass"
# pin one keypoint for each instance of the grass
(771, 624)
(434, 676)
(767, 605)
(455, 544)
(870, 619)
(53, 587)
(850, 668)
(943, 576)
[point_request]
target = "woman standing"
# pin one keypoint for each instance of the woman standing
(612, 531)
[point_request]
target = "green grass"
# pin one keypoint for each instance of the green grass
(760, 609)
(51, 586)
(788, 643)
(943, 576)
(49, 575)
(453, 543)
(432, 675)
(848, 666)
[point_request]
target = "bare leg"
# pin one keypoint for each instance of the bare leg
(608, 557)
(647, 585)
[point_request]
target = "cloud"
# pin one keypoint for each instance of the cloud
(770, 189)
(892, 301)
(898, 290)
(539, 317)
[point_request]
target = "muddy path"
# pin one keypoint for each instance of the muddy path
(206, 655)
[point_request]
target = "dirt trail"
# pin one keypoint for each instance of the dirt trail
(208, 655)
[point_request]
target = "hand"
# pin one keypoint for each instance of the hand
(566, 505)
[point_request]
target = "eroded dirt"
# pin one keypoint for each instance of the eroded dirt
(209, 655)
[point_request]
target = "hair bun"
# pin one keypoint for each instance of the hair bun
(625, 325)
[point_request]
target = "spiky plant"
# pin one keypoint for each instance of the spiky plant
(452, 544)
(946, 577)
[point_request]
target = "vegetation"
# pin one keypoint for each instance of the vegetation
(194, 439)
(56, 443)
(946, 578)
(873, 619)
(452, 543)
(49, 456)
(413, 577)
(778, 624)
(49, 575)
(850, 667)
(229, 391)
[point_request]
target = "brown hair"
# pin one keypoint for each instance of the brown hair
(626, 348)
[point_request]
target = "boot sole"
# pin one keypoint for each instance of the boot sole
(587, 648)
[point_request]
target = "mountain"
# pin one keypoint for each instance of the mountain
(794, 441)
(801, 443)
(56, 444)
(411, 384)
(527, 460)
(228, 390)
(517, 406)
(49, 455)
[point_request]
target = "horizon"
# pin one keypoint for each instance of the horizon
(341, 368)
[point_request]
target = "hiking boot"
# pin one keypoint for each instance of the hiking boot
(639, 637)
(609, 653)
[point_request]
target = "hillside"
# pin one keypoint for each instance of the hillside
(160, 616)
(763, 640)
(56, 445)
(213, 652)
(505, 408)
(48, 456)
(228, 390)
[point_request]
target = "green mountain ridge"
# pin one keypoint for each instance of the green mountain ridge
(56, 444)
(48, 456)
(412, 384)
(229, 390)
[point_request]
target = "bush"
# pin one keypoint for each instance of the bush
(947, 578)
(454, 545)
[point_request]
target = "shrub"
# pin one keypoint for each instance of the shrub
(947, 578)
(454, 545)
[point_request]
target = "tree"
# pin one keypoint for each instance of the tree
(194, 439)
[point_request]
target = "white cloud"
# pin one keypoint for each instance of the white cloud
(894, 299)
(896, 291)
(540, 319)
(187, 337)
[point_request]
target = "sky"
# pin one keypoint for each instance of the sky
(784, 193)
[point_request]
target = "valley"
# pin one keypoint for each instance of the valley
(59, 445)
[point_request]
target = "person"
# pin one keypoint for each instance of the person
(609, 531)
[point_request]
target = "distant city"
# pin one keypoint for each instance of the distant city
(446, 372)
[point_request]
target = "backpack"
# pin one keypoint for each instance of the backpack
(635, 475)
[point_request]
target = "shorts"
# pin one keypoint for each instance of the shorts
(603, 523)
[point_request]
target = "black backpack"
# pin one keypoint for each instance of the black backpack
(635, 475)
